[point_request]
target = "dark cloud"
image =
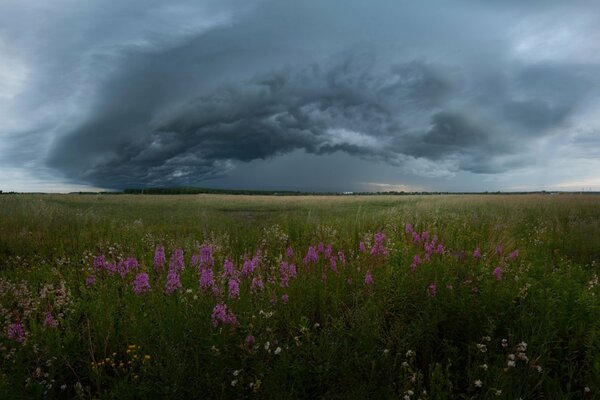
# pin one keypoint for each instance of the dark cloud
(136, 101)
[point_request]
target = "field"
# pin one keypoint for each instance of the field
(213, 296)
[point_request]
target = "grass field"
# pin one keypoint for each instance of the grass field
(430, 297)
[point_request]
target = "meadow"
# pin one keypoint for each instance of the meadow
(335, 297)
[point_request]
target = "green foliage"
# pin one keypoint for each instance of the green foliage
(534, 333)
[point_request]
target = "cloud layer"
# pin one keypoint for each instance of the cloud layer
(189, 94)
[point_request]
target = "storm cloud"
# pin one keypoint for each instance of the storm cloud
(190, 94)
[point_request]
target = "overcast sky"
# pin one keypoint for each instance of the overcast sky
(458, 95)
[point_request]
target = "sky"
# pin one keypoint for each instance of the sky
(313, 95)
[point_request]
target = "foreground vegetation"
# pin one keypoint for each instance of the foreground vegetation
(213, 296)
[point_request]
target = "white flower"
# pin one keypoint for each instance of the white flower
(234, 382)
(511, 363)
(405, 364)
(267, 345)
(278, 350)
(478, 383)
(538, 368)
(385, 351)
(406, 397)
(410, 353)
(498, 392)
(586, 389)
(484, 367)
(410, 392)
(487, 339)
(481, 347)
(511, 356)
(236, 372)
(63, 387)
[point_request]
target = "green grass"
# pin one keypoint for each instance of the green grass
(337, 340)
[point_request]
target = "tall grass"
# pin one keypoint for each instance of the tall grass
(504, 325)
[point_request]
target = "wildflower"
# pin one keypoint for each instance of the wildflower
(333, 264)
(368, 279)
(342, 257)
(176, 262)
(63, 386)
(311, 255)
(416, 262)
(257, 284)
(234, 288)
(498, 392)
(499, 250)
(586, 389)
(277, 350)
(349, 281)
(379, 248)
(410, 354)
(285, 298)
(504, 343)
(432, 290)
(361, 247)
(408, 228)
(173, 282)
(228, 269)
(221, 315)
(328, 251)
(440, 249)
(236, 372)
(484, 367)
(16, 332)
(478, 383)
(159, 258)
(481, 347)
(206, 278)
(267, 346)
(321, 248)
(513, 255)
(538, 368)
(141, 283)
(498, 271)
(250, 341)
(477, 253)
(50, 321)
(90, 280)
(99, 263)
(234, 382)
(290, 252)
(248, 267)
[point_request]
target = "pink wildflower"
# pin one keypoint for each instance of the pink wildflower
(415, 263)
(290, 252)
(477, 253)
(333, 264)
(311, 255)
(234, 288)
(248, 267)
(499, 250)
(361, 247)
(99, 263)
(257, 284)
(285, 298)
(141, 283)
(379, 248)
(159, 258)
(176, 262)
(408, 228)
(173, 282)
(228, 269)
(250, 341)
(50, 321)
(90, 280)
(206, 256)
(498, 273)
(369, 279)
(432, 290)
(513, 255)
(16, 332)
(221, 315)
(440, 249)
(207, 280)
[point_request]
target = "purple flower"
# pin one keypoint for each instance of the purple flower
(285, 298)
(361, 247)
(415, 263)
(321, 248)
(257, 284)
(369, 279)
(206, 256)
(111, 268)
(408, 228)
(16, 332)
(234, 288)
(141, 283)
(311, 255)
(159, 258)
(99, 262)
(228, 269)
(173, 282)
(290, 252)
(477, 253)
(425, 236)
(90, 280)
(221, 315)
(126, 266)
(499, 250)
(498, 273)
(440, 249)
(50, 321)
(176, 263)
(248, 267)
(342, 257)
(250, 341)
(328, 251)
(432, 290)
(379, 248)
(513, 255)
(333, 264)
(286, 272)
(207, 280)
